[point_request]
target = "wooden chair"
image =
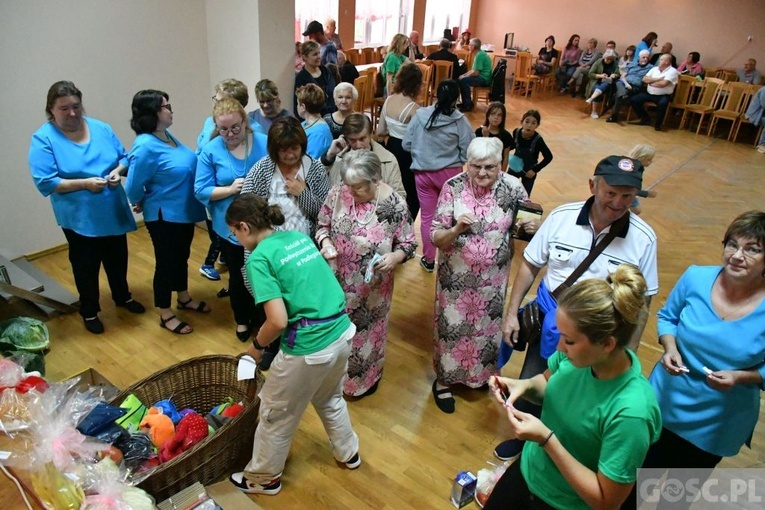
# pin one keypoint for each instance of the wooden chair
(706, 104)
(369, 92)
(368, 55)
(734, 103)
(524, 80)
(353, 56)
(482, 92)
(423, 98)
(726, 75)
(442, 70)
(743, 120)
(548, 81)
(360, 84)
(682, 95)
(379, 53)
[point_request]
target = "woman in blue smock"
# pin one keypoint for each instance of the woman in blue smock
(161, 185)
(78, 161)
(221, 168)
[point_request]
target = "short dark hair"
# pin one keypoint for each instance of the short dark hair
(146, 104)
(356, 123)
(496, 105)
(695, 56)
(312, 97)
(408, 80)
(750, 224)
(285, 132)
(532, 113)
(57, 90)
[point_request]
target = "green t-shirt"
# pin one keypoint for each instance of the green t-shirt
(392, 64)
(482, 64)
(287, 265)
(606, 425)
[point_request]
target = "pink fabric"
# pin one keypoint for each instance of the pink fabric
(429, 184)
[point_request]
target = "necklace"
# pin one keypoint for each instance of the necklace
(168, 140)
(487, 196)
(232, 159)
(369, 215)
(308, 126)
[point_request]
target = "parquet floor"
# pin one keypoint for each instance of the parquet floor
(410, 450)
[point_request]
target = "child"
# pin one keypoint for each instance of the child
(643, 153)
(528, 144)
(305, 306)
(494, 126)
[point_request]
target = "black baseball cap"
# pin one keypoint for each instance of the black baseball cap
(621, 171)
(314, 27)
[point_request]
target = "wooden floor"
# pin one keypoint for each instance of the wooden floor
(410, 450)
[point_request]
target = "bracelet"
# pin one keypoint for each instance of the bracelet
(543, 443)
(259, 347)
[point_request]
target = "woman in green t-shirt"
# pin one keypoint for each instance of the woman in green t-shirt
(599, 414)
(305, 307)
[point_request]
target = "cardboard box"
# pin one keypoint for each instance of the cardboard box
(91, 377)
(230, 498)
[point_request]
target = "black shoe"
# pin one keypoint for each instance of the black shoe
(94, 325)
(611, 119)
(224, 292)
(245, 335)
(370, 391)
(508, 450)
(645, 121)
(268, 358)
(445, 404)
(133, 306)
(428, 265)
(657, 128)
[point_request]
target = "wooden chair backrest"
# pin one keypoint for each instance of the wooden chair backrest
(683, 90)
(442, 70)
(369, 96)
(711, 90)
(353, 56)
(522, 64)
(726, 75)
(368, 55)
(736, 96)
(361, 87)
(427, 76)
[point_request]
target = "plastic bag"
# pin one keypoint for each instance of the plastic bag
(107, 490)
(56, 489)
(487, 479)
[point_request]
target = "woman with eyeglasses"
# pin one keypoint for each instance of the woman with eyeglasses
(160, 184)
(221, 169)
(267, 95)
(79, 162)
(712, 328)
(476, 212)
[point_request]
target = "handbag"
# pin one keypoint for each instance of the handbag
(530, 318)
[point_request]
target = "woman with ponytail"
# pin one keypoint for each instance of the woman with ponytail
(599, 414)
(305, 306)
(438, 137)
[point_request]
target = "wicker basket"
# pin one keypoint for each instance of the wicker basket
(201, 384)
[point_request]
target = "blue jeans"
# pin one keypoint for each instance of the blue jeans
(661, 106)
(465, 84)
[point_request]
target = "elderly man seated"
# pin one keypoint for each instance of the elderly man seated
(630, 83)
(444, 53)
(749, 74)
(661, 83)
(414, 47)
(348, 71)
(357, 134)
(478, 76)
(666, 49)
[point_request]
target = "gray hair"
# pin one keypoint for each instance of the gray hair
(445, 44)
(644, 52)
(361, 166)
(609, 53)
(477, 42)
(344, 86)
(485, 148)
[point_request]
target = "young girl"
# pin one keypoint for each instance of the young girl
(305, 306)
(643, 153)
(494, 126)
(528, 144)
(629, 56)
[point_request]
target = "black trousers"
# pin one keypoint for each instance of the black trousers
(215, 245)
(86, 254)
(512, 492)
(404, 159)
(672, 451)
(172, 247)
(246, 312)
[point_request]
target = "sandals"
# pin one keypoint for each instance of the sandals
(180, 329)
(201, 307)
(445, 403)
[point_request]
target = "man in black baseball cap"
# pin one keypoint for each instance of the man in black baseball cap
(315, 32)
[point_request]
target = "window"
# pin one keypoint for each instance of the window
(309, 10)
(377, 21)
(445, 14)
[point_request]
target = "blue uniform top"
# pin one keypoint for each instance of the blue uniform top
(209, 127)
(53, 157)
(161, 178)
(319, 138)
(218, 167)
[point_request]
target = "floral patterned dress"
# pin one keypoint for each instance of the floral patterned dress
(472, 278)
(358, 231)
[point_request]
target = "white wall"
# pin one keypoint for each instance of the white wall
(111, 49)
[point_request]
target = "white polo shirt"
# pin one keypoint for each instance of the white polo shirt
(566, 237)
(670, 73)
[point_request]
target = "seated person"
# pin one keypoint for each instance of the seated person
(444, 53)
(267, 94)
(754, 113)
(602, 75)
(464, 42)
(589, 57)
(666, 49)
(348, 71)
(749, 74)
(691, 66)
(611, 45)
(547, 57)
(414, 47)
(569, 61)
(630, 82)
(479, 76)
(661, 81)
(310, 99)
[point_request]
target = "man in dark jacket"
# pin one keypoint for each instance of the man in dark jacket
(444, 53)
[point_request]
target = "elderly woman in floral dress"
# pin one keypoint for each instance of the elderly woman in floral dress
(475, 214)
(364, 218)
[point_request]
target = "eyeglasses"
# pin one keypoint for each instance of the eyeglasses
(750, 251)
(234, 130)
(270, 102)
(167, 107)
(478, 168)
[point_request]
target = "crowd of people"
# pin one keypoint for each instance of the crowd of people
(312, 219)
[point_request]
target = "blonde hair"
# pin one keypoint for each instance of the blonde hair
(229, 105)
(233, 88)
(399, 44)
(605, 308)
(642, 152)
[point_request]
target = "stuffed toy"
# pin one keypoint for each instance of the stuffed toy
(191, 430)
(232, 411)
(167, 407)
(159, 427)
